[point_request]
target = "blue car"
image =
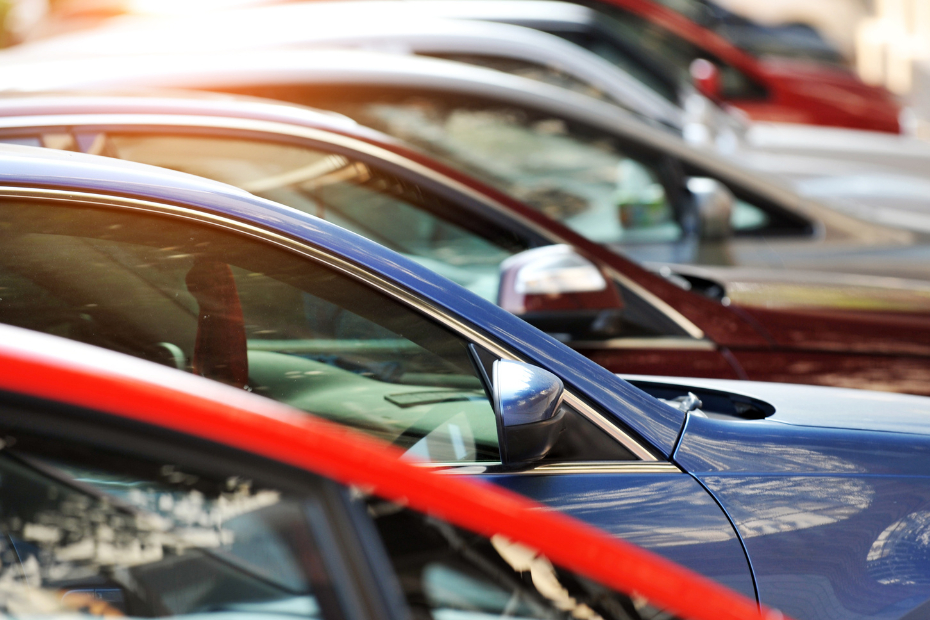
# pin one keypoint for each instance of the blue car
(814, 500)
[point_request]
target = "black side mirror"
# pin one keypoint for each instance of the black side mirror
(527, 401)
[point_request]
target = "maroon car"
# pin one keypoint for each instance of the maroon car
(722, 323)
(768, 89)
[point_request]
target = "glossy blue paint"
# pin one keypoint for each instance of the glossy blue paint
(667, 513)
(657, 423)
(836, 521)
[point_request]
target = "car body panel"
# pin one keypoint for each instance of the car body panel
(773, 481)
(844, 472)
(635, 507)
(815, 406)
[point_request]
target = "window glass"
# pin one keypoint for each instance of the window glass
(625, 57)
(531, 70)
(747, 217)
(247, 314)
(585, 181)
(355, 196)
(109, 536)
(447, 573)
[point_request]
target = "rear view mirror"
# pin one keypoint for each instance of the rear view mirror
(561, 292)
(527, 400)
(706, 79)
(713, 204)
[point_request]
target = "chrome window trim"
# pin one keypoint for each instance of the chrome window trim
(580, 467)
(354, 271)
(325, 136)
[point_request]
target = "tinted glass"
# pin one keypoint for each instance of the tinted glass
(447, 573)
(349, 193)
(88, 533)
(579, 177)
(247, 314)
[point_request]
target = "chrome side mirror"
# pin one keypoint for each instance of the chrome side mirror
(527, 400)
(714, 204)
(553, 277)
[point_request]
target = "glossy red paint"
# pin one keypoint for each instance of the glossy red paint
(797, 91)
(861, 331)
(714, 363)
(865, 372)
(240, 420)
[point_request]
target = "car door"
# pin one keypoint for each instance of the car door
(460, 237)
(282, 318)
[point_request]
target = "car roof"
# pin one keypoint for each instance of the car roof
(64, 173)
(63, 371)
(177, 102)
(386, 25)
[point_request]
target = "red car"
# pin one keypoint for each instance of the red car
(769, 89)
(124, 497)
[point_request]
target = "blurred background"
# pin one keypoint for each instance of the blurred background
(887, 42)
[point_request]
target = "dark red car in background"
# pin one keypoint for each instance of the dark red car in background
(767, 89)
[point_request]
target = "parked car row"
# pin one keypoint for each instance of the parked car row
(454, 252)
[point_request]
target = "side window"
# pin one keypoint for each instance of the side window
(249, 315)
(755, 216)
(91, 533)
(349, 193)
(597, 187)
(447, 573)
(548, 74)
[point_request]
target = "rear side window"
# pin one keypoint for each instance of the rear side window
(86, 532)
(606, 191)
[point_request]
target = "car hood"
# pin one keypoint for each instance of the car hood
(813, 430)
(834, 87)
(811, 310)
(805, 405)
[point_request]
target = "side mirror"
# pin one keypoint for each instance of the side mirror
(713, 204)
(528, 402)
(561, 292)
(706, 79)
